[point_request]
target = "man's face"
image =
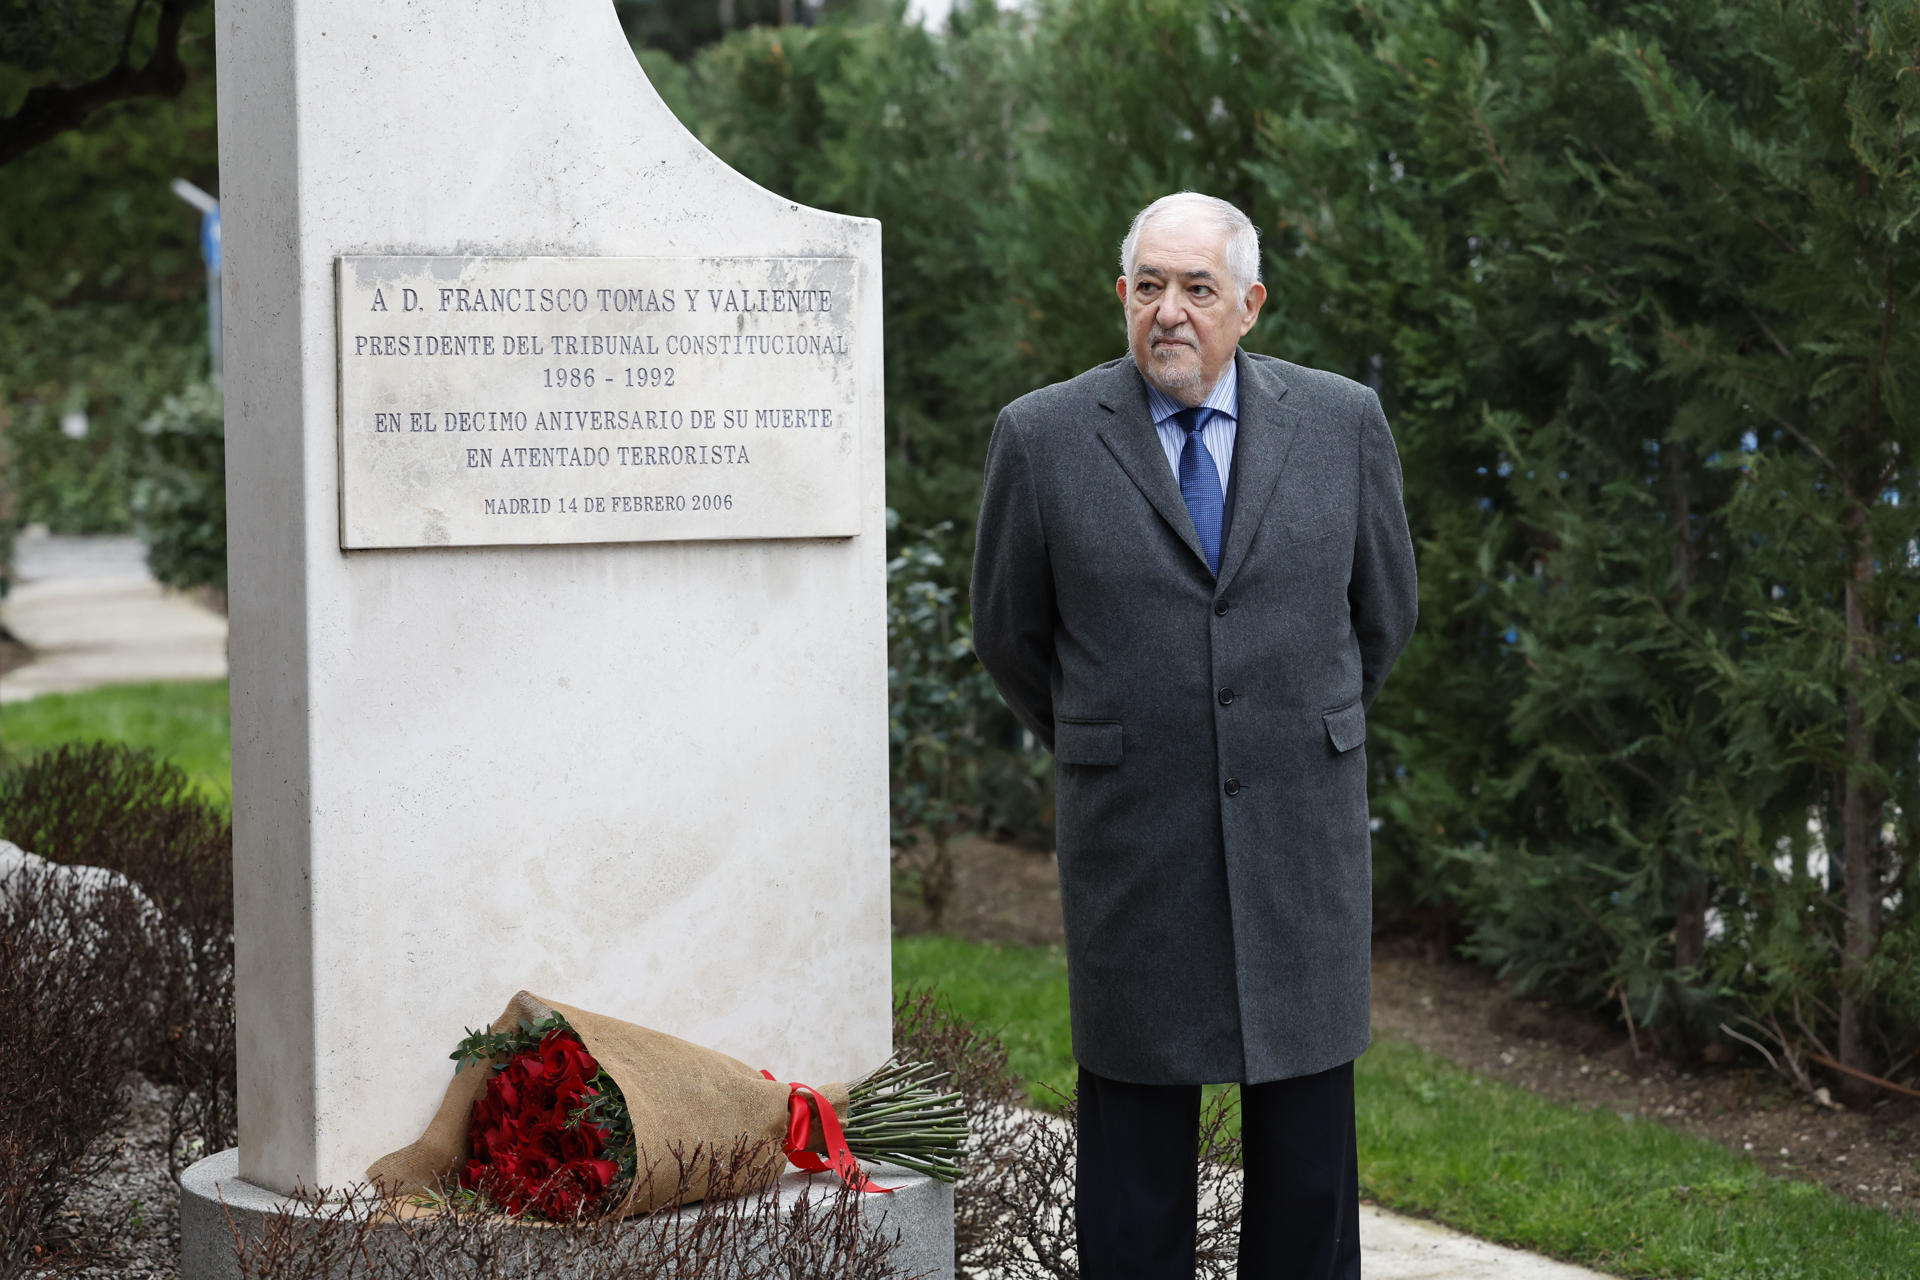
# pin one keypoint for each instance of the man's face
(1185, 314)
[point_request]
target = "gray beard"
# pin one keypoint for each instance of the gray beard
(1174, 379)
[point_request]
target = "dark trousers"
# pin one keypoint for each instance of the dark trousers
(1137, 1187)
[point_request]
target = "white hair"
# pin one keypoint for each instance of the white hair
(1243, 238)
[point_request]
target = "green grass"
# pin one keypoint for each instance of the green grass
(1626, 1196)
(187, 723)
(1017, 993)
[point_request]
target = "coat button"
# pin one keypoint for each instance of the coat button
(1233, 786)
(1226, 697)
(1220, 608)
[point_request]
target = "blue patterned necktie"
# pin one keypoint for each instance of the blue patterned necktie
(1200, 483)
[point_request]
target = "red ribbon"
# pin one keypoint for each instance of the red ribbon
(840, 1158)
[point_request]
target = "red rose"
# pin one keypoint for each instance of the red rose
(508, 1135)
(510, 1191)
(566, 1061)
(536, 1166)
(569, 1192)
(549, 1139)
(501, 1181)
(527, 1155)
(583, 1143)
(532, 1089)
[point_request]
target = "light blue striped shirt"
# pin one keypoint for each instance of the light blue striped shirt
(1218, 435)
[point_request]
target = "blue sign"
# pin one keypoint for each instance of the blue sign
(210, 238)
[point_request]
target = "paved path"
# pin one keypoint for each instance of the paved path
(95, 616)
(1393, 1247)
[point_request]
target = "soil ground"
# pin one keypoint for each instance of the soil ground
(1005, 893)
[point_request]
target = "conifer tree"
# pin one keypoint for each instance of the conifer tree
(914, 127)
(1804, 205)
(1648, 256)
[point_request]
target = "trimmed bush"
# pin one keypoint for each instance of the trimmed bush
(180, 495)
(748, 1237)
(72, 998)
(925, 1029)
(113, 806)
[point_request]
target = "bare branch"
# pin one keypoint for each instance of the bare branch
(1755, 1044)
(1858, 1074)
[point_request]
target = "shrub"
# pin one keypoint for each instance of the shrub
(65, 1039)
(1029, 1211)
(116, 362)
(751, 1236)
(113, 806)
(1012, 1213)
(925, 1029)
(955, 752)
(180, 496)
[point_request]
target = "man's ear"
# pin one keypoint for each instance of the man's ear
(1250, 309)
(1120, 287)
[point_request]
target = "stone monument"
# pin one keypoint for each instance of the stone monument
(557, 562)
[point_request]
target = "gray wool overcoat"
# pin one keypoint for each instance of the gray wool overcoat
(1215, 869)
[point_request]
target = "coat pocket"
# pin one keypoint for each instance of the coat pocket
(1086, 742)
(1347, 727)
(1317, 528)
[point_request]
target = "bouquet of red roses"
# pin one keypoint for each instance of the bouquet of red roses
(534, 1149)
(558, 1113)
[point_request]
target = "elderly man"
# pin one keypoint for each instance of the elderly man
(1193, 574)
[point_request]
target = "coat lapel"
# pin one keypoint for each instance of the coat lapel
(1261, 444)
(1135, 445)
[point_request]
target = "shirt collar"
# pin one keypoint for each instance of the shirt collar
(1223, 399)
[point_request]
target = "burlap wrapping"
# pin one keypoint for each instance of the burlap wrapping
(691, 1107)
